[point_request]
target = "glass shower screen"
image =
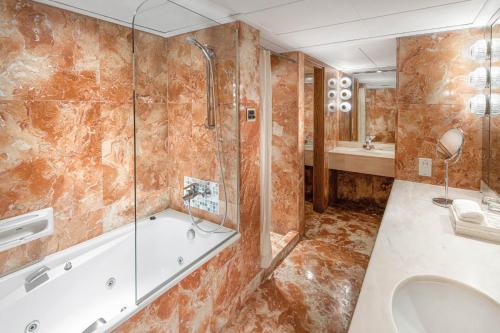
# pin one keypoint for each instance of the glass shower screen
(186, 141)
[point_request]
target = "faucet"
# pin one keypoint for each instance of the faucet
(492, 203)
(368, 145)
(36, 278)
(195, 189)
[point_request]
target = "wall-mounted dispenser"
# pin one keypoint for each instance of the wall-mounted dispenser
(477, 105)
(25, 228)
(478, 78)
(345, 82)
(345, 94)
(345, 107)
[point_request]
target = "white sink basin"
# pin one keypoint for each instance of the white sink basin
(431, 304)
(377, 152)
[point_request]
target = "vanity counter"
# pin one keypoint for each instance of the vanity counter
(416, 238)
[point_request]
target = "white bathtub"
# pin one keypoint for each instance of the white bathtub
(72, 300)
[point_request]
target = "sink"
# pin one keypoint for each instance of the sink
(432, 304)
(378, 152)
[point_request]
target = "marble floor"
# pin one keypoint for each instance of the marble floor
(316, 286)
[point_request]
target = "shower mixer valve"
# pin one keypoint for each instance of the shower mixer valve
(193, 190)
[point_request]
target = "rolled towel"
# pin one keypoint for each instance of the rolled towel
(468, 211)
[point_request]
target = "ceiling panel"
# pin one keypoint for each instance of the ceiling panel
(297, 16)
(370, 8)
(247, 6)
(435, 18)
(341, 57)
(331, 34)
(170, 18)
(381, 51)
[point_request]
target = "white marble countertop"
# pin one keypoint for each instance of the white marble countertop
(417, 238)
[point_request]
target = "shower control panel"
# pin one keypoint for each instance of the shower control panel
(251, 115)
(208, 197)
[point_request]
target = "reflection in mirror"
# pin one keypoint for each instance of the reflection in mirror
(377, 109)
(374, 109)
(493, 175)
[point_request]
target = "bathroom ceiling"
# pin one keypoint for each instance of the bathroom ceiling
(350, 35)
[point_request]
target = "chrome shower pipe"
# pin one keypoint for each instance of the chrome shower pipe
(210, 79)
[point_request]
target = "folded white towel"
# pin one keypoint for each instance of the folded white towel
(468, 211)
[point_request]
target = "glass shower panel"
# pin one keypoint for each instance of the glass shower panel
(186, 141)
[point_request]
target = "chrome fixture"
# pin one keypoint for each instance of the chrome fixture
(110, 283)
(95, 326)
(68, 266)
(190, 234)
(212, 123)
(368, 145)
(193, 190)
(209, 57)
(32, 327)
(449, 148)
(36, 278)
(492, 203)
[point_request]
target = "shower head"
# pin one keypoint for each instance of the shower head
(209, 54)
(191, 40)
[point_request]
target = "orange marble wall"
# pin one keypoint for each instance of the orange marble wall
(190, 148)
(288, 142)
(65, 113)
(309, 106)
(206, 299)
(381, 113)
(432, 96)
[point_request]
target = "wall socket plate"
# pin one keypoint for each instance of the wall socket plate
(251, 115)
(425, 167)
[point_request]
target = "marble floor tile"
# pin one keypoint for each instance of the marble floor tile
(316, 287)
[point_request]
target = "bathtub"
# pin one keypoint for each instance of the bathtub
(92, 286)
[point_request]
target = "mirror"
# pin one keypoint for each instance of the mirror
(449, 147)
(491, 130)
(374, 110)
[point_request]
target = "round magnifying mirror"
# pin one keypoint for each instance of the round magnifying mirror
(450, 144)
(449, 148)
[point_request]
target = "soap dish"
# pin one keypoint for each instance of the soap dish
(490, 230)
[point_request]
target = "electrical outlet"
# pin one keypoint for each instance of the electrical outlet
(425, 167)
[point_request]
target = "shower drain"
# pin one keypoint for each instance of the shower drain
(32, 327)
(110, 283)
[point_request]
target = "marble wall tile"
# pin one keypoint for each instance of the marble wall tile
(432, 97)
(287, 141)
(381, 113)
(309, 112)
